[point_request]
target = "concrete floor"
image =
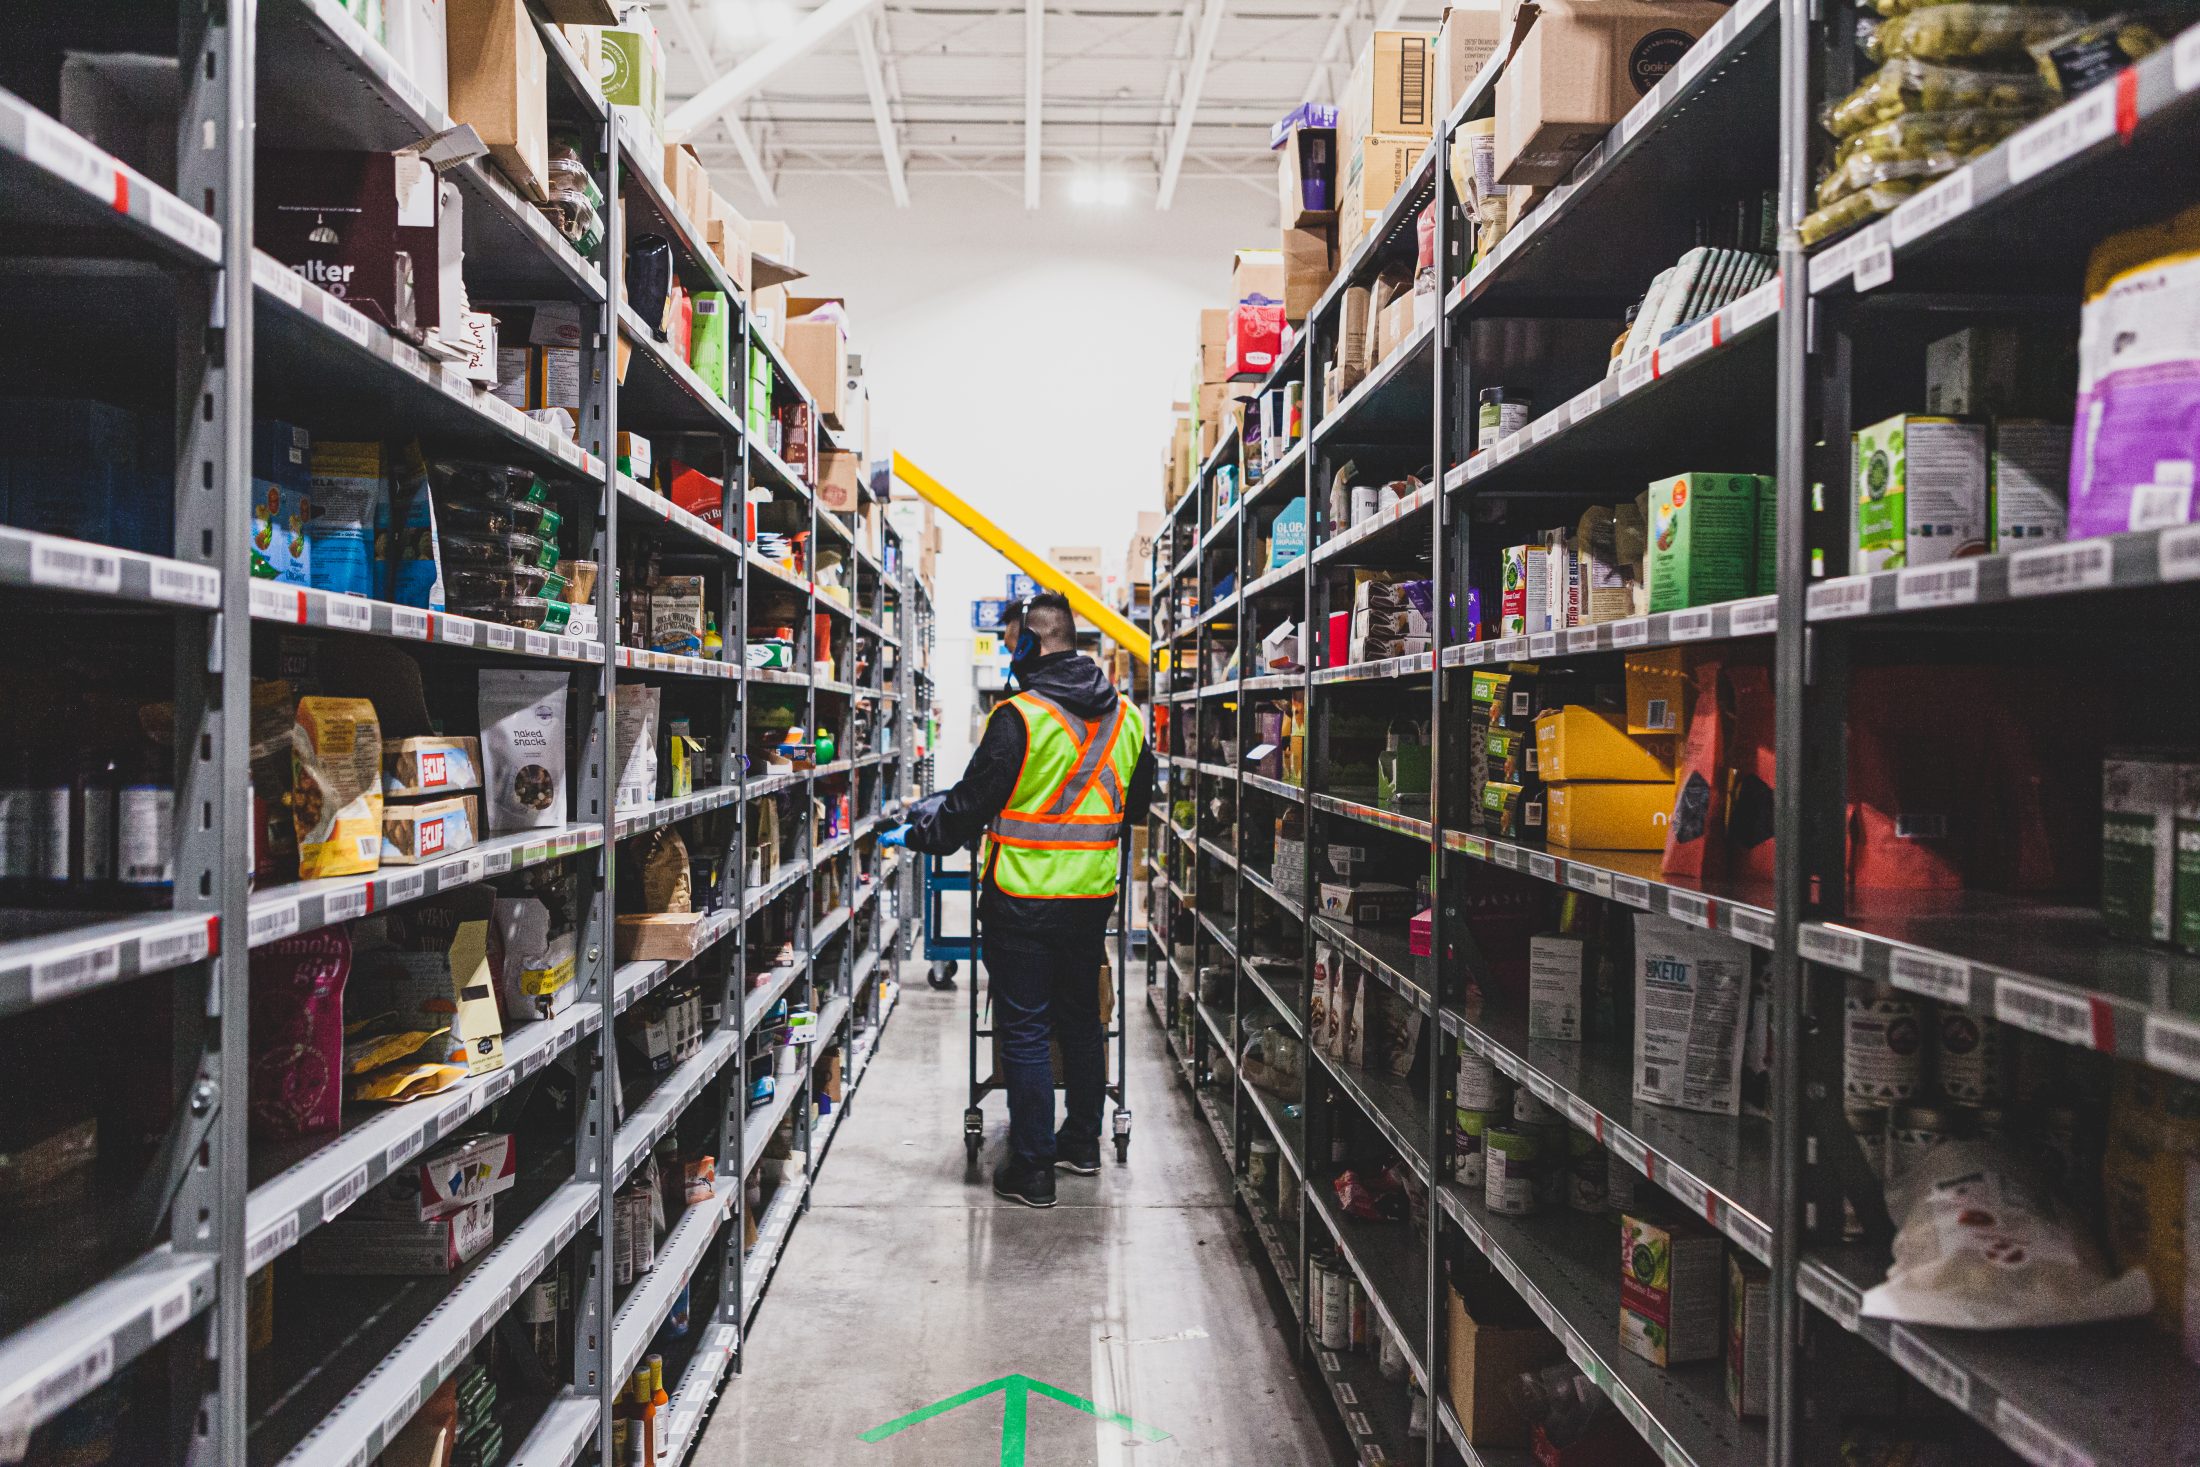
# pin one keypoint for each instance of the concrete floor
(909, 1282)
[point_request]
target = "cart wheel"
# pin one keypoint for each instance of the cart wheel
(942, 975)
(1122, 1135)
(971, 1146)
(973, 1134)
(1122, 1150)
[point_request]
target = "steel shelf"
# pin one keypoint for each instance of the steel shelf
(378, 1408)
(1388, 954)
(1565, 1265)
(774, 571)
(1223, 609)
(1394, 821)
(758, 1001)
(1271, 891)
(1393, 398)
(1739, 907)
(1274, 787)
(778, 471)
(677, 664)
(67, 1353)
(660, 212)
(1378, 527)
(1382, 669)
(691, 1396)
(657, 509)
(771, 1241)
(1222, 939)
(1398, 213)
(657, 813)
(63, 190)
(100, 573)
(828, 926)
(2100, 158)
(46, 967)
(1472, 1455)
(1394, 1285)
(1218, 1028)
(1291, 1142)
(1263, 1224)
(654, 1294)
(301, 606)
(334, 1173)
(1285, 577)
(1376, 1413)
(567, 1428)
(2139, 560)
(1388, 1100)
(2082, 1393)
(677, 1091)
(1280, 993)
(1280, 471)
(1226, 857)
(302, 906)
(662, 392)
(757, 1129)
(1753, 616)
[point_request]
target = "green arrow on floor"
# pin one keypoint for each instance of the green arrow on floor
(1016, 1392)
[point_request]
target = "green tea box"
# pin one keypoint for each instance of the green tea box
(1703, 539)
(2138, 815)
(1920, 492)
(1765, 568)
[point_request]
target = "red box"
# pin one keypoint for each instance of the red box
(1420, 933)
(1340, 638)
(696, 492)
(1255, 336)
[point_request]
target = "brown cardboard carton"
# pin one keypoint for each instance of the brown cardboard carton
(1582, 65)
(1374, 169)
(1214, 337)
(818, 353)
(1466, 39)
(686, 181)
(499, 76)
(1356, 316)
(774, 240)
(1075, 560)
(838, 477)
(1308, 267)
(1487, 1355)
(1393, 326)
(1256, 272)
(769, 304)
(674, 936)
(1306, 169)
(1393, 88)
(1138, 557)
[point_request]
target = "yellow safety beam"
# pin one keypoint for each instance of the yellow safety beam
(1038, 567)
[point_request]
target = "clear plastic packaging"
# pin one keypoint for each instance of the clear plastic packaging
(1857, 208)
(493, 552)
(1967, 31)
(1906, 86)
(1916, 148)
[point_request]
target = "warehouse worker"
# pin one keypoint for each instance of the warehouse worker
(1060, 774)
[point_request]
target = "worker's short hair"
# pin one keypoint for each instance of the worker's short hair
(1047, 616)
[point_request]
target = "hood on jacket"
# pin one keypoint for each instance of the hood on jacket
(1071, 679)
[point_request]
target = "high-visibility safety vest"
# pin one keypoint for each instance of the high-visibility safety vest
(1057, 836)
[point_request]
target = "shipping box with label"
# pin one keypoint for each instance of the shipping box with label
(1375, 168)
(1393, 88)
(1581, 66)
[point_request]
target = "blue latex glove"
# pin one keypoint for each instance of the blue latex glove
(898, 836)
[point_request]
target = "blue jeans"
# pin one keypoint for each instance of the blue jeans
(1049, 984)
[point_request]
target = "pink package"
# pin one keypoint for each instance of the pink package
(298, 1033)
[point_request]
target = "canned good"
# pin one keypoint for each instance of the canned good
(1361, 1327)
(1333, 1313)
(1509, 1177)
(1481, 1085)
(1967, 1053)
(1260, 1164)
(1529, 1111)
(1913, 1130)
(1882, 1045)
(1500, 414)
(1466, 1160)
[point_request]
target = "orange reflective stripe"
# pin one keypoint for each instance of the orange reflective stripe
(1089, 765)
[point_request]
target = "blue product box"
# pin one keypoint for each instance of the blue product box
(1021, 586)
(1287, 536)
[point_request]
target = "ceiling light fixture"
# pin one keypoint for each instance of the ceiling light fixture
(1092, 188)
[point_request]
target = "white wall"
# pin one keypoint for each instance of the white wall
(1026, 360)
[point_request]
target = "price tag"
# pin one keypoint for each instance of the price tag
(1542, 867)
(408, 622)
(343, 1194)
(270, 602)
(185, 585)
(1948, 199)
(2173, 1044)
(1551, 424)
(173, 950)
(1540, 1086)
(1874, 266)
(1636, 374)
(405, 887)
(343, 906)
(2044, 1011)
(1689, 907)
(1922, 586)
(1761, 304)
(1587, 878)
(1632, 890)
(464, 871)
(1689, 626)
(1632, 631)
(276, 920)
(74, 567)
(1685, 346)
(1751, 926)
(93, 967)
(2063, 133)
(1841, 1303)
(500, 637)
(1687, 1188)
(1478, 464)
(348, 612)
(458, 631)
(1543, 644)
(2035, 1441)
(1581, 639)
(2050, 569)
(1758, 616)
(1943, 1376)
(271, 1243)
(1510, 649)
(170, 1309)
(1934, 977)
(1630, 1150)
(61, 152)
(1834, 948)
(411, 361)
(401, 1414)
(1509, 446)
(537, 644)
(1847, 596)
(348, 322)
(2177, 552)
(73, 1381)
(1829, 266)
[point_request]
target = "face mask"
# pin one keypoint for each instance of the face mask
(1027, 648)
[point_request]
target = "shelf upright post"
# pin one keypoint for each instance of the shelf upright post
(808, 818)
(208, 1182)
(593, 1146)
(1240, 934)
(1307, 902)
(733, 887)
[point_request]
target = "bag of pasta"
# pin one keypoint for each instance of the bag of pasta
(1846, 213)
(1906, 86)
(1967, 31)
(1919, 148)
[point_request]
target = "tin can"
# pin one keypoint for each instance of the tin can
(1913, 1130)
(1361, 1327)
(1467, 1156)
(1967, 1054)
(1882, 1045)
(1481, 1085)
(1333, 1312)
(1509, 1178)
(1529, 1111)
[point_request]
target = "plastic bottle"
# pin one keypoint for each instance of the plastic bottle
(654, 1367)
(53, 850)
(92, 816)
(714, 645)
(145, 825)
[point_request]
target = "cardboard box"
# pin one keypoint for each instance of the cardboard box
(1465, 40)
(2028, 483)
(818, 353)
(1256, 334)
(433, 764)
(1657, 691)
(382, 1247)
(1306, 176)
(1748, 1336)
(1582, 65)
(1557, 979)
(1393, 88)
(629, 62)
(2138, 846)
(673, 936)
(499, 86)
(774, 240)
(1214, 345)
(1375, 167)
(1256, 275)
(446, 1181)
(1138, 557)
(1393, 326)
(1309, 264)
(1609, 815)
(429, 830)
(1489, 1348)
(1373, 902)
(687, 183)
(1920, 493)
(1703, 538)
(1669, 1289)
(839, 480)
(1576, 742)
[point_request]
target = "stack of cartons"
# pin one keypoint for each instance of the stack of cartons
(1305, 143)
(1386, 119)
(1217, 396)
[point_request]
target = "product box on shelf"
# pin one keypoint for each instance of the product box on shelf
(1577, 742)
(1703, 539)
(839, 480)
(1374, 168)
(395, 1248)
(1669, 1289)
(382, 261)
(418, 32)
(1392, 88)
(1609, 815)
(1465, 40)
(1581, 66)
(1371, 902)
(1748, 1336)
(1306, 176)
(445, 1182)
(2028, 483)
(1309, 264)
(817, 350)
(667, 936)
(2138, 844)
(499, 77)
(428, 830)
(1920, 494)
(1490, 1347)
(628, 63)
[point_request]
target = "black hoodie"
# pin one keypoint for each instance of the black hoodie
(948, 822)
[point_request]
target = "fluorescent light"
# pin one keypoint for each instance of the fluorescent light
(1091, 188)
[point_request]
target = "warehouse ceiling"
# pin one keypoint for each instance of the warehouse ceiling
(1123, 98)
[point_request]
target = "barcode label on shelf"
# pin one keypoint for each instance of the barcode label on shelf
(458, 630)
(1632, 631)
(1759, 305)
(464, 871)
(1687, 1188)
(403, 1149)
(1753, 1236)
(1685, 346)
(171, 1309)
(1346, 1394)
(1758, 616)
(342, 906)
(1941, 978)
(1581, 639)
(1874, 265)
(272, 923)
(1689, 626)
(2051, 569)
(1635, 374)
(53, 978)
(343, 1194)
(351, 323)
(1689, 907)
(276, 603)
(500, 638)
(400, 1414)
(1542, 867)
(75, 568)
(1844, 950)
(1588, 878)
(1943, 1376)
(1945, 200)
(1543, 644)
(2177, 552)
(1551, 424)
(1586, 404)
(407, 622)
(60, 151)
(1751, 926)
(1632, 890)
(2044, 1011)
(73, 1381)
(2063, 133)
(1627, 1148)
(348, 612)
(271, 1242)
(1848, 596)
(410, 886)
(174, 949)
(2035, 1442)
(1840, 1302)
(1918, 587)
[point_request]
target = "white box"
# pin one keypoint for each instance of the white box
(1556, 981)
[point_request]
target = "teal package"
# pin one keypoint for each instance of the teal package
(415, 558)
(350, 504)
(1287, 536)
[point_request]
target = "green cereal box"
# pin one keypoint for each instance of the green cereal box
(1703, 539)
(2138, 809)
(1920, 492)
(1670, 1294)
(1765, 569)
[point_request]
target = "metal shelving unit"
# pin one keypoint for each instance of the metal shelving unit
(214, 1206)
(1773, 382)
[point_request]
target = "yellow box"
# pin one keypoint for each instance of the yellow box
(1609, 815)
(1657, 691)
(1575, 742)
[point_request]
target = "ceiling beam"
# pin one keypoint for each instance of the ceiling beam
(1187, 109)
(1340, 36)
(948, 112)
(726, 91)
(1035, 59)
(690, 36)
(889, 136)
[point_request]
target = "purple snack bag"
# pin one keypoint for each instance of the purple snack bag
(298, 1033)
(2138, 422)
